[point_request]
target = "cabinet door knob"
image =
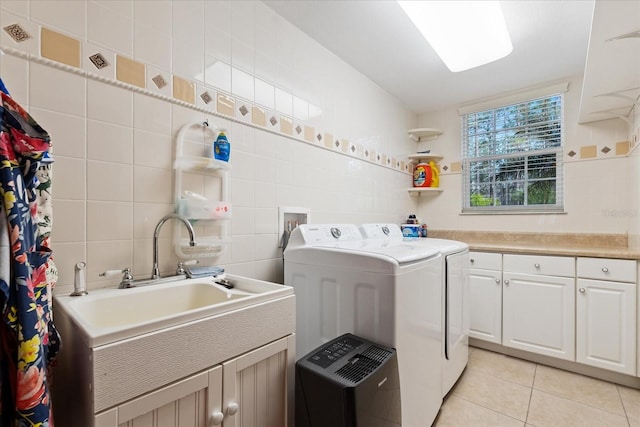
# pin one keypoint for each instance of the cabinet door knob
(216, 418)
(605, 270)
(582, 290)
(472, 260)
(506, 282)
(232, 408)
(537, 265)
(497, 280)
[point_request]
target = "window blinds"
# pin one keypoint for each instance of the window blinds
(512, 157)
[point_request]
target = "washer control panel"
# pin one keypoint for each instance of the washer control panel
(329, 233)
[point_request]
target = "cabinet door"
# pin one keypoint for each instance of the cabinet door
(539, 314)
(485, 301)
(606, 325)
(192, 402)
(256, 386)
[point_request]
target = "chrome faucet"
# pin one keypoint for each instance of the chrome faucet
(155, 274)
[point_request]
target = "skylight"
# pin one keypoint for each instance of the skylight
(465, 34)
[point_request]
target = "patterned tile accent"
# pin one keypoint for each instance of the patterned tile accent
(606, 150)
(205, 96)
(99, 61)
(17, 33)
(571, 153)
(59, 47)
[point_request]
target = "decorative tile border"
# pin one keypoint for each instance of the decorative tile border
(79, 57)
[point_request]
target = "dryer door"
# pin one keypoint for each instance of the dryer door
(456, 340)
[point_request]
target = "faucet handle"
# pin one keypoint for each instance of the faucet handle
(181, 266)
(127, 277)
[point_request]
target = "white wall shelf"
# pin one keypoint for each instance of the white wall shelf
(203, 164)
(424, 134)
(424, 158)
(428, 191)
(196, 207)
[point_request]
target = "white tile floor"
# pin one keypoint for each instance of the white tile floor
(497, 390)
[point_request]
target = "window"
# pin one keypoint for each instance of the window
(512, 157)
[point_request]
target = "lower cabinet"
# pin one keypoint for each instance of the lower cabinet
(578, 309)
(538, 314)
(485, 296)
(606, 325)
(250, 390)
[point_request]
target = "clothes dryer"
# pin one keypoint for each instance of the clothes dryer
(455, 259)
(388, 293)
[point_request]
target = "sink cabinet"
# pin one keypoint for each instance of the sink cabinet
(194, 401)
(249, 390)
(239, 364)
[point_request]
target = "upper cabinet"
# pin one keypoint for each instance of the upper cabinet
(611, 84)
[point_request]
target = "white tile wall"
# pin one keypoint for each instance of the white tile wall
(109, 181)
(56, 90)
(111, 26)
(108, 142)
(114, 149)
(66, 16)
(109, 104)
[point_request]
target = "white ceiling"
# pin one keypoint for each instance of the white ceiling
(550, 40)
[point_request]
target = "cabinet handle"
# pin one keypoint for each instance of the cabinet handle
(506, 282)
(472, 260)
(497, 280)
(605, 270)
(216, 418)
(232, 408)
(582, 290)
(536, 265)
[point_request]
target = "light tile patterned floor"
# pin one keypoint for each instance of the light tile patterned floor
(497, 390)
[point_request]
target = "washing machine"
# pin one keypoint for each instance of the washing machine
(455, 259)
(386, 292)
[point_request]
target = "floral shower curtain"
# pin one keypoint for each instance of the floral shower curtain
(29, 341)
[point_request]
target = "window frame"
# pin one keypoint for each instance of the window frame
(525, 154)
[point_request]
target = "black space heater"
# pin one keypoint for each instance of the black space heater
(348, 382)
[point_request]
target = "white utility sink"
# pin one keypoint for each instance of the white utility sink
(109, 315)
